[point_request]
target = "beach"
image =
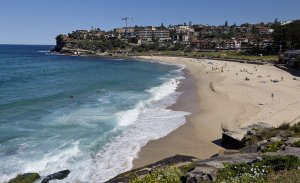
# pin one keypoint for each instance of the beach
(221, 94)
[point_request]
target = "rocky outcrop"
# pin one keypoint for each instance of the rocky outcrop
(257, 141)
(25, 178)
(206, 170)
(33, 177)
(58, 175)
(177, 160)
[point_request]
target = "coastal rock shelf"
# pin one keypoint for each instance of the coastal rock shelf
(259, 145)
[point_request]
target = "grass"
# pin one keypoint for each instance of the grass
(224, 55)
(161, 175)
(273, 147)
(257, 171)
(290, 176)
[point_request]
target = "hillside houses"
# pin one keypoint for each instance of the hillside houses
(244, 37)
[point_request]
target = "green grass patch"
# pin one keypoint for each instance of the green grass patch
(290, 176)
(273, 147)
(161, 175)
(257, 171)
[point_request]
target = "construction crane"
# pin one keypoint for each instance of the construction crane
(126, 24)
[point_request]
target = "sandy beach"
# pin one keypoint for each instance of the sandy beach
(227, 94)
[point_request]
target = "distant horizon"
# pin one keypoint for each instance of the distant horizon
(38, 22)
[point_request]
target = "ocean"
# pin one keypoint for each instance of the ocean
(90, 115)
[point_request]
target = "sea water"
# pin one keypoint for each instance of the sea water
(90, 115)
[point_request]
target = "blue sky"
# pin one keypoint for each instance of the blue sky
(39, 21)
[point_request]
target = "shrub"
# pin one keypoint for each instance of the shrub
(258, 170)
(273, 147)
(242, 172)
(296, 144)
(188, 167)
(284, 126)
(249, 140)
(289, 176)
(161, 175)
(296, 128)
(278, 163)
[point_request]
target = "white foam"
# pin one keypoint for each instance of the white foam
(118, 155)
(130, 116)
(44, 51)
(149, 120)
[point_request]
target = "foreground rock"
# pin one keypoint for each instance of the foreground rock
(177, 160)
(256, 143)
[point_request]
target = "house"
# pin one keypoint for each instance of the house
(184, 29)
(204, 44)
(231, 44)
(150, 33)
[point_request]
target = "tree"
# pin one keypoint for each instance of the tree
(276, 22)
(184, 23)
(162, 26)
(287, 36)
(226, 24)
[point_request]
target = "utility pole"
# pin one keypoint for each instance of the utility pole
(126, 24)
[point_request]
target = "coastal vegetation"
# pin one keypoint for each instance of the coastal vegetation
(168, 174)
(258, 171)
(269, 169)
(284, 130)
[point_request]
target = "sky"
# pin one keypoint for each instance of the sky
(39, 21)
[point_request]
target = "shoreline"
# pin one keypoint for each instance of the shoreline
(210, 110)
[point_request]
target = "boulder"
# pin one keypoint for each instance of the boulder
(250, 148)
(204, 173)
(292, 140)
(58, 175)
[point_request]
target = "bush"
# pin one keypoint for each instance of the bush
(242, 172)
(258, 170)
(296, 129)
(273, 147)
(296, 144)
(278, 163)
(161, 175)
(290, 176)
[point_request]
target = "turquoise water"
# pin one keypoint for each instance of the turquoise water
(89, 115)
